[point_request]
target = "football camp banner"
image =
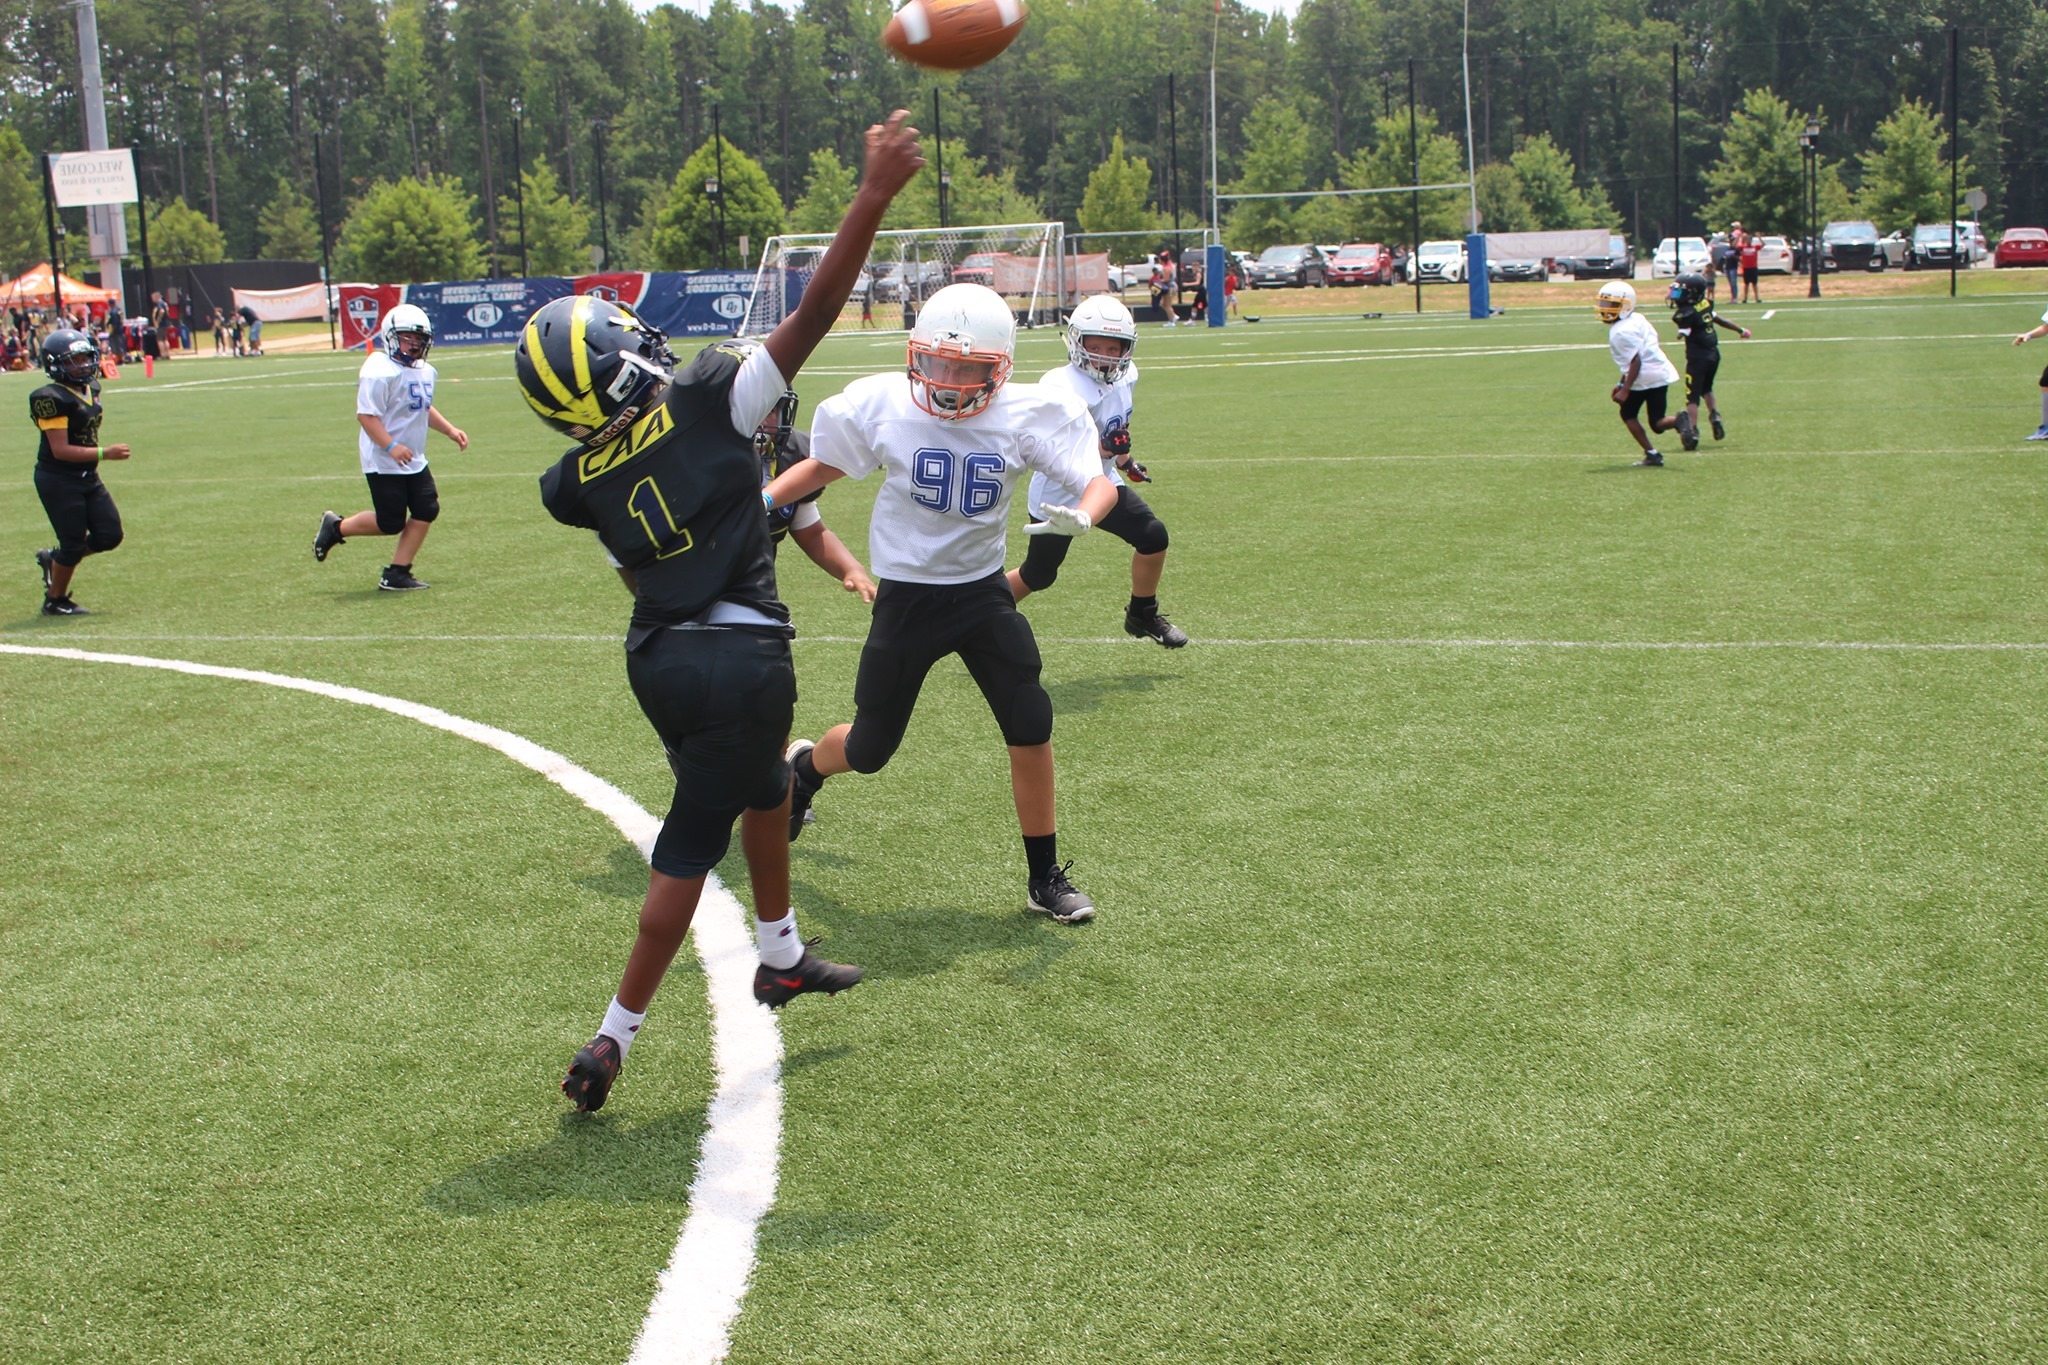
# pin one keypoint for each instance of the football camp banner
(706, 303)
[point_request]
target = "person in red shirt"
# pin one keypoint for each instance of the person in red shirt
(1750, 243)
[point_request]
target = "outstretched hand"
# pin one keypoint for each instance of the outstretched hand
(1055, 520)
(893, 154)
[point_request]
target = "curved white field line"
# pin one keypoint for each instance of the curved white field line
(698, 1295)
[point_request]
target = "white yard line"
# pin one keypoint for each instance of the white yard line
(1117, 641)
(698, 1295)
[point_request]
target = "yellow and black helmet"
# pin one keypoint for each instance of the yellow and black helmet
(590, 366)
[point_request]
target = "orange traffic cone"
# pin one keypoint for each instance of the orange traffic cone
(149, 367)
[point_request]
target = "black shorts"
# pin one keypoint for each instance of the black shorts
(1638, 399)
(916, 625)
(81, 511)
(722, 702)
(396, 497)
(2044, 378)
(1699, 376)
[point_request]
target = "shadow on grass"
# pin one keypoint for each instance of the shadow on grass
(625, 876)
(1632, 467)
(592, 1160)
(926, 940)
(1087, 694)
(784, 1230)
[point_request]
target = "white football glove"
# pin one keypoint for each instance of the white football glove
(1056, 520)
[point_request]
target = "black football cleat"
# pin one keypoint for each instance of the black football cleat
(1720, 431)
(800, 793)
(63, 606)
(1651, 460)
(396, 579)
(596, 1066)
(1054, 895)
(1688, 431)
(777, 986)
(46, 560)
(328, 536)
(1154, 627)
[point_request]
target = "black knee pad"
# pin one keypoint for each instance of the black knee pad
(427, 507)
(100, 544)
(693, 839)
(390, 524)
(1150, 537)
(70, 553)
(1029, 721)
(1042, 559)
(868, 749)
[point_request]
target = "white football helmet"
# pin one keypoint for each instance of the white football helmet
(407, 320)
(1102, 315)
(961, 350)
(1615, 301)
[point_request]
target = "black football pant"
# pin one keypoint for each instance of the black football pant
(81, 512)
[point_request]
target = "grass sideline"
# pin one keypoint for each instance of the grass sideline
(1554, 909)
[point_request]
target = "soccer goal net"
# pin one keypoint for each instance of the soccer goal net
(1027, 263)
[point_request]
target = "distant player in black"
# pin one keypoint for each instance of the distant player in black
(667, 475)
(1694, 313)
(66, 412)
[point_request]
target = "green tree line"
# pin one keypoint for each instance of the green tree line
(248, 112)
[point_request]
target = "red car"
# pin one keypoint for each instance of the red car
(2022, 246)
(1362, 263)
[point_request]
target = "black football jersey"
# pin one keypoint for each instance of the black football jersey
(792, 449)
(677, 499)
(75, 412)
(1696, 325)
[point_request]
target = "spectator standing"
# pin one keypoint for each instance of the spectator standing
(255, 326)
(1751, 243)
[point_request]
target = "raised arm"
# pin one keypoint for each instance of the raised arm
(893, 156)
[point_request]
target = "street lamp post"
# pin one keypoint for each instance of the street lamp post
(718, 211)
(945, 188)
(1809, 148)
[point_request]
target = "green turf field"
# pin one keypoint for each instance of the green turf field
(1555, 910)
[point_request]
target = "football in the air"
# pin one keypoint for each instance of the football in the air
(953, 35)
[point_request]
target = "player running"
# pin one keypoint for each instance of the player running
(952, 438)
(1646, 371)
(1694, 313)
(67, 413)
(1101, 337)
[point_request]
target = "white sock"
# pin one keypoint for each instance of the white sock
(781, 946)
(621, 1025)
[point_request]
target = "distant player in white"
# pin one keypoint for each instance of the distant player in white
(952, 438)
(395, 409)
(2035, 334)
(1645, 370)
(1101, 337)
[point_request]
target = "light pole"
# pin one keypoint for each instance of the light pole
(945, 188)
(1809, 149)
(718, 222)
(519, 185)
(718, 150)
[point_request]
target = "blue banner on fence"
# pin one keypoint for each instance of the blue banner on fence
(696, 303)
(478, 312)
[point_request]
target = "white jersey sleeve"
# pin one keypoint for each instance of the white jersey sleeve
(755, 390)
(400, 397)
(1634, 336)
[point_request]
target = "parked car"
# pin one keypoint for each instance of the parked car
(1619, 263)
(919, 279)
(1932, 248)
(979, 268)
(1773, 256)
(1297, 267)
(1437, 263)
(1136, 275)
(2022, 246)
(1518, 270)
(1362, 263)
(1679, 256)
(1972, 235)
(1851, 245)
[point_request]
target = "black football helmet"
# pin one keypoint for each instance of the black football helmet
(1687, 289)
(70, 357)
(590, 366)
(773, 434)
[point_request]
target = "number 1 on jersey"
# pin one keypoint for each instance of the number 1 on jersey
(651, 510)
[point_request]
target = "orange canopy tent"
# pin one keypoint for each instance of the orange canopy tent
(31, 289)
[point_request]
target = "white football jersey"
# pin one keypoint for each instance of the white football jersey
(944, 505)
(1108, 404)
(399, 396)
(1634, 336)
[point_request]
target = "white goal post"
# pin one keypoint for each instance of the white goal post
(1027, 263)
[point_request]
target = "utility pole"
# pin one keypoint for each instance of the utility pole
(107, 233)
(718, 150)
(519, 186)
(50, 223)
(1677, 212)
(326, 264)
(1414, 195)
(939, 155)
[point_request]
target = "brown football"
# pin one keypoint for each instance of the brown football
(953, 35)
